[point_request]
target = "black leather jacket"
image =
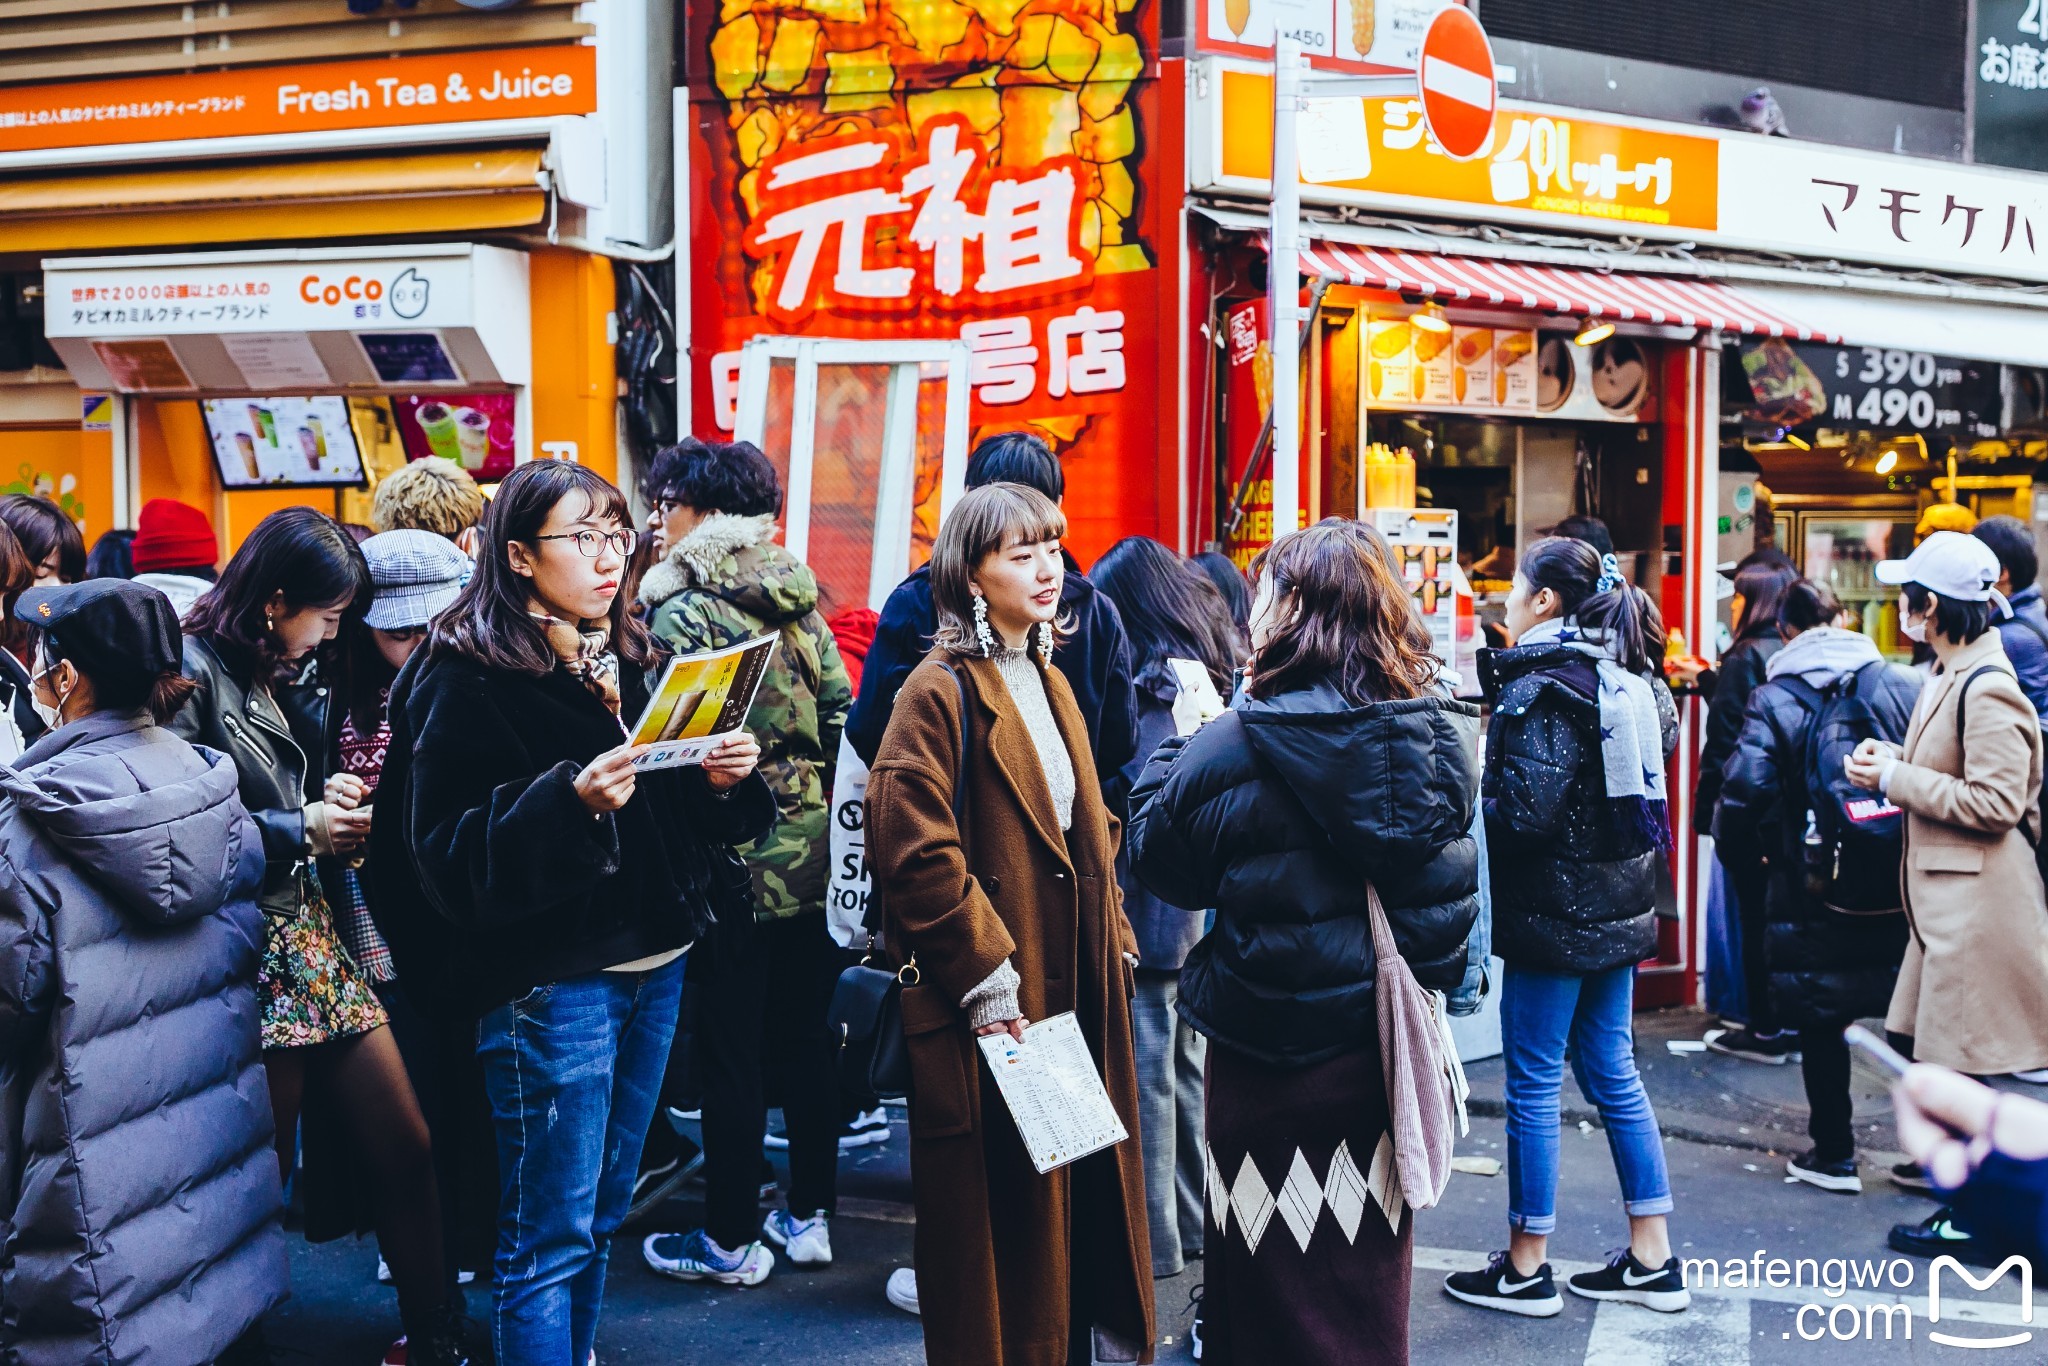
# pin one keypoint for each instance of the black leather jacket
(247, 723)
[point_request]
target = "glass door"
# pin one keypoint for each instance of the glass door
(1842, 549)
(870, 439)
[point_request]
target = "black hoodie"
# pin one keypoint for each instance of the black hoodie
(1278, 813)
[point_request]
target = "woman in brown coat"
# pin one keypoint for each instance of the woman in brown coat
(1973, 992)
(995, 860)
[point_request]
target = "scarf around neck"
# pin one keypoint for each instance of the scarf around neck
(1631, 740)
(586, 654)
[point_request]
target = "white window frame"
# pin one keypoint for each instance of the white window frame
(896, 485)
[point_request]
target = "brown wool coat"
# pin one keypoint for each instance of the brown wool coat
(993, 1236)
(1973, 991)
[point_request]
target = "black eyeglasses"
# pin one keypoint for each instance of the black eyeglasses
(590, 543)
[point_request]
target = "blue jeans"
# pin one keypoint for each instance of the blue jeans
(572, 1070)
(1539, 1011)
(1169, 1056)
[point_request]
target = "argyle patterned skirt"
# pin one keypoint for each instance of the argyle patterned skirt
(1308, 1257)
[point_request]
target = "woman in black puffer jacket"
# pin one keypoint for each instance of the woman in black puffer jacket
(1575, 816)
(1826, 968)
(1341, 769)
(1760, 586)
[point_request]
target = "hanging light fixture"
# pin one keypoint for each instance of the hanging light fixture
(1887, 462)
(1430, 318)
(1593, 331)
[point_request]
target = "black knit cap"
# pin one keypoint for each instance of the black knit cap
(112, 629)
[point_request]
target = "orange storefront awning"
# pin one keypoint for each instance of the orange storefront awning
(1671, 300)
(412, 195)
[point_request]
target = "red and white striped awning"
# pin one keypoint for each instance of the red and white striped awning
(1666, 299)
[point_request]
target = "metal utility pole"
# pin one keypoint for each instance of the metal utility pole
(1283, 286)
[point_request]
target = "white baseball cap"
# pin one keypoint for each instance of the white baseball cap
(1955, 565)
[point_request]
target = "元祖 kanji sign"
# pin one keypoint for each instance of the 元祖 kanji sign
(967, 171)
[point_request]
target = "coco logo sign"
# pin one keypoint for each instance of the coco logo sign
(368, 297)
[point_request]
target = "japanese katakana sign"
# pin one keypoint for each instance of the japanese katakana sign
(1561, 168)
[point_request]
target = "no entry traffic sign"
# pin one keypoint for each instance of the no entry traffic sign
(1455, 72)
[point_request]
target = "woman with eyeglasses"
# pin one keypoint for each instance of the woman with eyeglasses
(259, 651)
(526, 872)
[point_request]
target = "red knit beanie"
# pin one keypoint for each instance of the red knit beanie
(173, 535)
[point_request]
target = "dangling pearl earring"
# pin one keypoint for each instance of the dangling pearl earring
(982, 634)
(1045, 642)
(269, 623)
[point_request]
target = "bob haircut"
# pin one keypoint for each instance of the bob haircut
(1960, 621)
(986, 520)
(1352, 626)
(1169, 608)
(41, 527)
(17, 573)
(490, 623)
(297, 551)
(715, 476)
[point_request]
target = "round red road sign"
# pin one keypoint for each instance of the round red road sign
(1455, 73)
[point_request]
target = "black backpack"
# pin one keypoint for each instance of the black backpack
(1854, 838)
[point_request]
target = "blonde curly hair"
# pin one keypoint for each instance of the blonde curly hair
(428, 495)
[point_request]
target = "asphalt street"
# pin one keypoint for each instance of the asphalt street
(1733, 1204)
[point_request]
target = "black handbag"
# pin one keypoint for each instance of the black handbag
(867, 1014)
(867, 1005)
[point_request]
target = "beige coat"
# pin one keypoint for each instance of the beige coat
(994, 1237)
(1973, 991)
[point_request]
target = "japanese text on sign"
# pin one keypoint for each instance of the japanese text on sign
(963, 234)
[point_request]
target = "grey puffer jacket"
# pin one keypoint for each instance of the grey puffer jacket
(140, 1189)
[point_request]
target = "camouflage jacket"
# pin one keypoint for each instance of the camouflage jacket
(725, 582)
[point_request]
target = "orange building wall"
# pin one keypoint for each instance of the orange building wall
(575, 383)
(32, 457)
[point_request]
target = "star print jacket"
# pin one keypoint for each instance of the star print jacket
(1574, 885)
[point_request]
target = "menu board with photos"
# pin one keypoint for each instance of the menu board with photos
(1467, 369)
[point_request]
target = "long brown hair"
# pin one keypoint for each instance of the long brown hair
(1352, 625)
(986, 520)
(490, 622)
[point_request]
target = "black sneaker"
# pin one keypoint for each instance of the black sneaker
(1938, 1236)
(1195, 1327)
(1502, 1287)
(858, 1132)
(1628, 1280)
(1909, 1176)
(1837, 1175)
(1774, 1049)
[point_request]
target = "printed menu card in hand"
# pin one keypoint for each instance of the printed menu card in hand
(1054, 1093)
(701, 701)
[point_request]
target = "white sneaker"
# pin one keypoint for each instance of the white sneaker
(807, 1241)
(902, 1289)
(696, 1256)
(384, 1274)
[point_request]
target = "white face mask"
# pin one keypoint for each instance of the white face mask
(52, 717)
(1914, 630)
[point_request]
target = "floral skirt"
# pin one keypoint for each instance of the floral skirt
(312, 990)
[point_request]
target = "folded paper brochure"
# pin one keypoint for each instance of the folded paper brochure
(699, 702)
